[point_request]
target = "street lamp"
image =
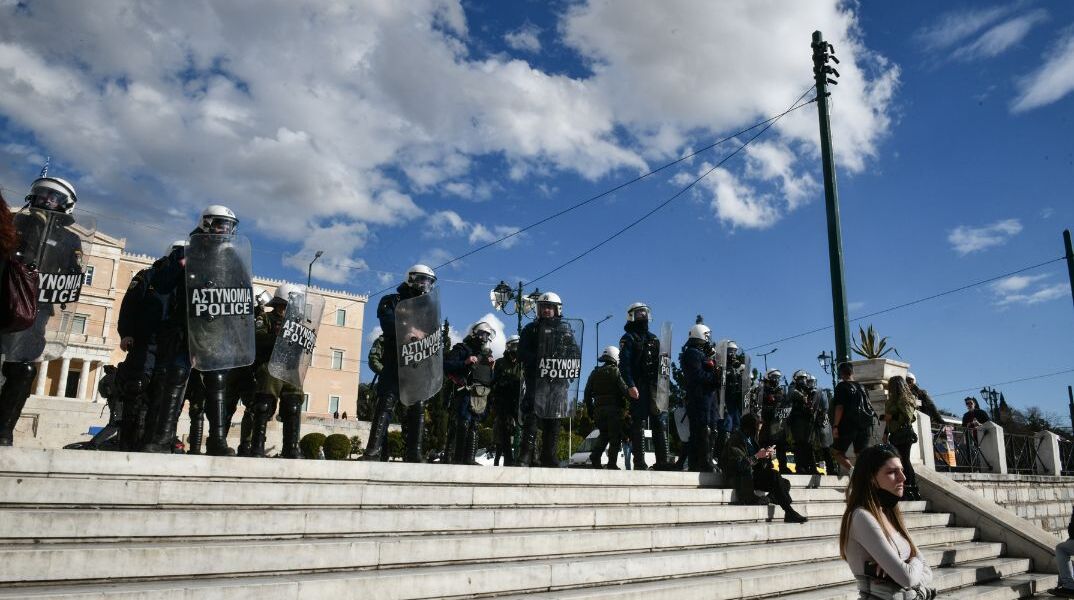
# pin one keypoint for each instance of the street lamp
(598, 333)
(989, 395)
(827, 362)
(309, 273)
(511, 302)
(765, 357)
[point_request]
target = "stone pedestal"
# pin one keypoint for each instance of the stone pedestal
(1048, 462)
(990, 437)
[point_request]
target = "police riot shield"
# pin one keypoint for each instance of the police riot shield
(480, 386)
(663, 375)
(293, 351)
(559, 365)
(419, 348)
(220, 302)
(821, 425)
(46, 339)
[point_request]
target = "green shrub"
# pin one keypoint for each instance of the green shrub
(310, 444)
(356, 445)
(337, 447)
(395, 444)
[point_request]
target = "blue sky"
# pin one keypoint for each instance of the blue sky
(392, 133)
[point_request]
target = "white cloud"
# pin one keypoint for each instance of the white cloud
(524, 39)
(966, 239)
(1052, 81)
(955, 26)
(1027, 290)
(446, 223)
(999, 38)
(737, 205)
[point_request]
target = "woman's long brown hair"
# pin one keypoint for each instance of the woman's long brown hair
(862, 493)
(9, 238)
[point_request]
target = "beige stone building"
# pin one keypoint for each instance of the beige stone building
(332, 380)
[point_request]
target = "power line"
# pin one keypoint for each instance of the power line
(1031, 378)
(632, 224)
(911, 302)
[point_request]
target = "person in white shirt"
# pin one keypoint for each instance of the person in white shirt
(873, 539)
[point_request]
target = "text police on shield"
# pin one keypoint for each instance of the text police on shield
(221, 302)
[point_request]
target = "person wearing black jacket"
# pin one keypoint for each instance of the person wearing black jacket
(506, 387)
(702, 378)
(420, 280)
(748, 467)
(853, 417)
(1063, 553)
(458, 367)
(639, 362)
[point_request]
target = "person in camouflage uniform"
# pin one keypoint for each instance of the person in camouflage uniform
(506, 388)
(606, 401)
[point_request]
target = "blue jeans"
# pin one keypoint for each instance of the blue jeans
(1063, 552)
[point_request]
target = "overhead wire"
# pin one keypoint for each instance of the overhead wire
(1030, 378)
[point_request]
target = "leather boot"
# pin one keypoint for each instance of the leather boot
(264, 406)
(718, 443)
(378, 431)
(216, 411)
(549, 443)
(699, 451)
(637, 447)
(528, 441)
(660, 444)
(415, 429)
(193, 441)
(291, 411)
(18, 379)
(471, 438)
(131, 423)
(246, 430)
(162, 439)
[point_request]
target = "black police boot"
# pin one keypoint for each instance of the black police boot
(550, 443)
(594, 459)
(471, 444)
(230, 407)
(216, 411)
(193, 441)
(378, 431)
(718, 443)
(660, 442)
(261, 411)
(162, 439)
(291, 411)
(415, 429)
(699, 451)
(246, 430)
(18, 379)
(461, 446)
(528, 441)
(637, 448)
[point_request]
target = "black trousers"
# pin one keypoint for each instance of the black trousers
(609, 420)
(907, 466)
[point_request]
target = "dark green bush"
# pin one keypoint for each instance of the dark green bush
(395, 444)
(337, 447)
(356, 445)
(310, 444)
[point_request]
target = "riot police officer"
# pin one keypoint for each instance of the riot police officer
(703, 377)
(551, 359)
(242, 385)
(461, 367)
(506, 388)
(420, 281)
(272, 392)
(639, 362)
(774, 412)
(735, 368)
(170, 278)
(606, 402)
(800, 423)
(51, 199)
(822, 425)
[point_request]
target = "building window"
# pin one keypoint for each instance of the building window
(88, 278)
(78, 324)
(333, 404)
(341, 317)
(305, 402)
(337, 360)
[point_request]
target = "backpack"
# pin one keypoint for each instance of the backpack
(18, 297)
(861, 411)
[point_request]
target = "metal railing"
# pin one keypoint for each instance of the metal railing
(1066, 456)
(959, 450)
(1022, 453)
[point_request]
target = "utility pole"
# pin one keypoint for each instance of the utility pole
(1070, 260)
(1070, 405)
(823, 52)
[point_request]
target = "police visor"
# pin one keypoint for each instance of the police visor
(421, 281)
(47, 198)
(221, 225)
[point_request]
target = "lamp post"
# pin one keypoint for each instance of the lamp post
(598, 333)
(504, 297)
(827, 362)
(765, 357)
(309, 273)
(990, 395)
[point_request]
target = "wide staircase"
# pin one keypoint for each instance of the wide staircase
(80, 524)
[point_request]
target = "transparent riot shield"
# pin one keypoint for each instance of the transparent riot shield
(419, 347)
(293, 351)
(663, 375)
(559, 366)
(220, 302)
(480, 386)
(46, 339)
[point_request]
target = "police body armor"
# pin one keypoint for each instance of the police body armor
(419, 351)
(52, 242)
(480, 386)
(220, 302)
(293, 352)
(559, 366)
